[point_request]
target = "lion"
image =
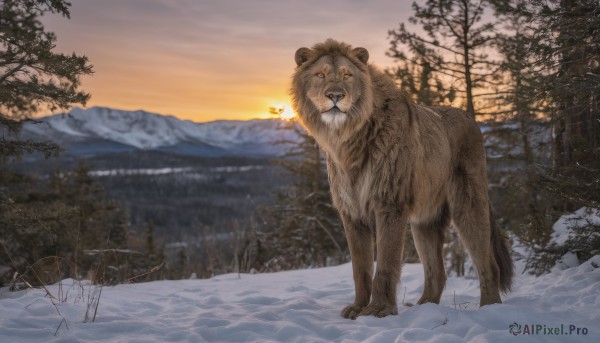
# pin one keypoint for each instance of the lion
(393, 163)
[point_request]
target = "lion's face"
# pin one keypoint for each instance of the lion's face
(333, 88)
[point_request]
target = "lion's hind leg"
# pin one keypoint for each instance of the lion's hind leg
(470, 213)
(429, 241)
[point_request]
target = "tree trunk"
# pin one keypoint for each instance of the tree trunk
(563, 124)
(466, 50)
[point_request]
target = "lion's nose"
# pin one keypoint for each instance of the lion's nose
(335, 96)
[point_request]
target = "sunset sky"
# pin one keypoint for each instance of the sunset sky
(208, 60)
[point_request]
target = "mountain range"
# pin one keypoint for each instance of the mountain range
(101, 130)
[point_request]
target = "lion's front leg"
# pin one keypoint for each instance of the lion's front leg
(391, 227)
(360, 242)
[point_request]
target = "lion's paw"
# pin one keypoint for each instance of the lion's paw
(352, 311)
(379, 310)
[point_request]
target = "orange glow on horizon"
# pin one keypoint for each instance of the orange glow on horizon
(288, 113)
(189, 100)
(282, 110)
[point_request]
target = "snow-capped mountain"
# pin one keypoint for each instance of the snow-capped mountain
(100, 130)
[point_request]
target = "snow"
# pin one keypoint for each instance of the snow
(301, 306)
(568, 260)
(145, 171)
(565, 226)
(170, 170)
(582, 217)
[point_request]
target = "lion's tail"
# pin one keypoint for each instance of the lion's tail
(501, 253)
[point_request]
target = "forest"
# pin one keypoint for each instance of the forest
(527, 70)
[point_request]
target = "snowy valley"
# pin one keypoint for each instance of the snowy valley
(177, 174)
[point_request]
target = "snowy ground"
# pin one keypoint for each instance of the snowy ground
(302, 306)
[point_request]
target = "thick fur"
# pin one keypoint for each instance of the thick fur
(392, 163)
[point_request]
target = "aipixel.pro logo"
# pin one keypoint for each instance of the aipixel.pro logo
(542, 329)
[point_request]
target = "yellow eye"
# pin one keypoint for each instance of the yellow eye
(347, 76)
(321, 75)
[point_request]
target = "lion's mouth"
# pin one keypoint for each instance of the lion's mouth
(334, 111)
(334, 117)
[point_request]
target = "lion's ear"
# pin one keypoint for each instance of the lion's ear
(302, 55)
(362, 54)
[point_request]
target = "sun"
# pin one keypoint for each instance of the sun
(283, 110)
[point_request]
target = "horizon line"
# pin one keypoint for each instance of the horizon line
(86, 108)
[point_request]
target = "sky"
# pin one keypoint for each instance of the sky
(209, 60)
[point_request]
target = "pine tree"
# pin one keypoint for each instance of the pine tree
(567, 52)
(519, 201)
(34, 226)
(454, 47)
(303, 228)
(554, 61)
(68, 217)
(150, 248)
(576, 39)
(33, 78)
(102, 225)
(416, 78)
